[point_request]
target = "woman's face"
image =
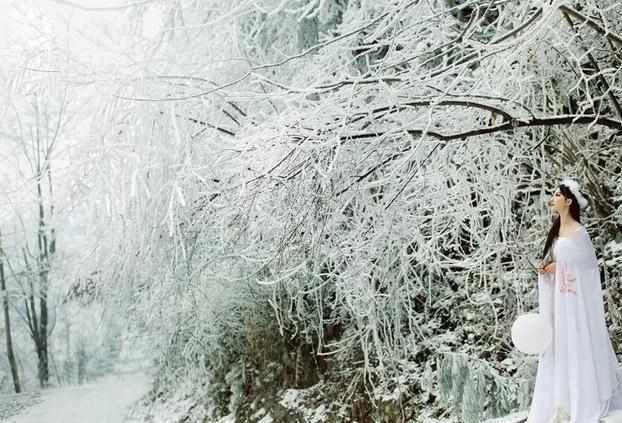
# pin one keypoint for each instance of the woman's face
(559, 203)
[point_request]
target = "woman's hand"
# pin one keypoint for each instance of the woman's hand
(547, 268)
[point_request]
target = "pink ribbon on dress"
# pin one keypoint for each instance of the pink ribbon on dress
(567, 281)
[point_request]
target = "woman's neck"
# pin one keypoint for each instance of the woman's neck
(565, 219)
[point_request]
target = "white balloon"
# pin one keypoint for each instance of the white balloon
(532, 333)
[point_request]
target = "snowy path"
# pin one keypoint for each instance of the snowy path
(107, 400)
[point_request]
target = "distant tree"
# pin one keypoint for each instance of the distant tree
(35, 122)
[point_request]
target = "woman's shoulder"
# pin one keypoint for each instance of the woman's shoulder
(583, 229)
(573, 232)
(581, 232)
(579, 229)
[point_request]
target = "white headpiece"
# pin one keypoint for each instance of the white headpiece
(573, 186)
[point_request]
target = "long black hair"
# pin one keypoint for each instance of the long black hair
(575, 212)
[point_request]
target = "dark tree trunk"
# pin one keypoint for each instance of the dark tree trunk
(41, 341)
(7, 324)
(42, 345)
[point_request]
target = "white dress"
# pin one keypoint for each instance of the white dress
(578, 378)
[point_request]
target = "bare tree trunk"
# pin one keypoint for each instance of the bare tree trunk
(42, 345)
(7, 323)
(42, 243)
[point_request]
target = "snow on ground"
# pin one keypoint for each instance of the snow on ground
(107, 400)
(13, 404)
(518, 417)
(170, 410)
(185, 403)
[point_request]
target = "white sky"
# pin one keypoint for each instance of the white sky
(93, 31)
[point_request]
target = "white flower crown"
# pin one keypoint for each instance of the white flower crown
(573, 186)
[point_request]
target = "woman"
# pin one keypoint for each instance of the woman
(577, 379)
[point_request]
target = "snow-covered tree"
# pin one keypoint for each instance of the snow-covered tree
(346, 192)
